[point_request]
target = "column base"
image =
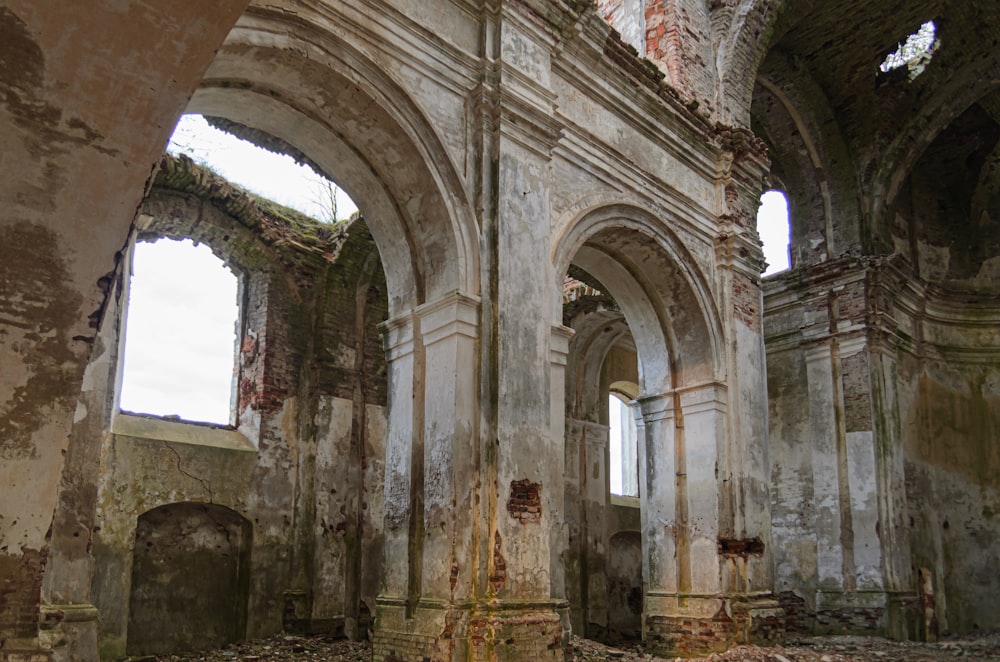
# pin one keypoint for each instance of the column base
(892, 614)
(682, 636)
(445, 632)
(24, 654)
(696, 626)
(759, 620)
(66, 633)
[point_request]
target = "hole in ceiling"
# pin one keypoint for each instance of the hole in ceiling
(914, 53)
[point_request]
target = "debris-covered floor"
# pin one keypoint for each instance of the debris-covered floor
(813, 649)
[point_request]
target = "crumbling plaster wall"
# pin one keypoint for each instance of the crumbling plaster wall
(266, 468)
(884, 408)
(61, 137)
(485, 137)
(877, 365)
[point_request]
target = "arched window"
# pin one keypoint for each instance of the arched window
(774, 229)
(180, 333)
(624, 460)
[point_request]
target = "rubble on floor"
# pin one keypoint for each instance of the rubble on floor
(812, 649)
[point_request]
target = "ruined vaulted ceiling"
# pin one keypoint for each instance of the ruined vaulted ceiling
(834, 122)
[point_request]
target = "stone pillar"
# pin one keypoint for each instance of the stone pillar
(523, 462)
(401, 483)
(658, 505)
(449, 330)
(903, 621)
(744, 536)
(429, 570)
(850, 592)
(587, 566)
(864, 580)
(558, 358)
(687, 609)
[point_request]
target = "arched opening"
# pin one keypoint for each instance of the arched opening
(190, 579)
(288, 179)
(320, 97)
(358, 128)
(646, 304)
(181, 333)
(775, 231)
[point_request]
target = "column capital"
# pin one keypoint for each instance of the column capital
(559, 344)
(398, 336)
(704, 396)
(656, 407)
(456, 313)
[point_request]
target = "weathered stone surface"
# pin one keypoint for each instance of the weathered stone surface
(557, 203)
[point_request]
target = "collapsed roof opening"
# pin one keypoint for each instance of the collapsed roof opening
(915, 53)
(261, 164)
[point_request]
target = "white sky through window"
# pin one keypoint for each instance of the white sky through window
(179, 355)
(180, 346)
(773, 228)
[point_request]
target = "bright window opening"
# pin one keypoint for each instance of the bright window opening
(774, 230)
(915, 53)
(180, 333)
(273, 176)
(624, 470)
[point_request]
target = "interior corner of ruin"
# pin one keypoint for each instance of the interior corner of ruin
(554, 380)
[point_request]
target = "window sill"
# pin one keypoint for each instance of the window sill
(181, 432)
(627, 501)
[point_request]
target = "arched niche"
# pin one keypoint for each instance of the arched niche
(363, 131)
(190, 579)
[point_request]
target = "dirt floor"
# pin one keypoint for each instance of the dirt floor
(812, 649)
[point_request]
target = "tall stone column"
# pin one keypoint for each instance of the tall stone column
(586, 565)
(432, 459)
(558, 358)
(745, 540)
(449, 329)
(864, 580)
(524, 614)
(883, 287)
(688, 608)
(404, 444)
(658, 504)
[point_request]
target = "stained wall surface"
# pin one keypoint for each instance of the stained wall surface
(419, 450)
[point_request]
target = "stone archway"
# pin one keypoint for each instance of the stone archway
(190, 579)
(316, 92)
(349, 118)
(686, 429)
